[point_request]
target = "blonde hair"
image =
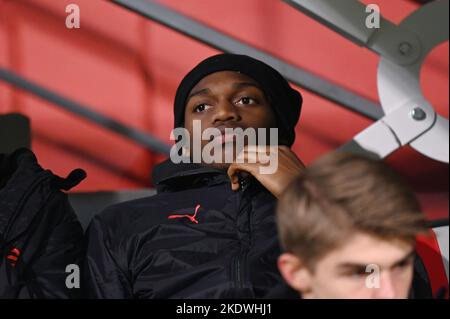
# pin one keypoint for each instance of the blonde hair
(339, 195)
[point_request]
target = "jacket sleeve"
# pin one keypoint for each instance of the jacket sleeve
(63, 248)
(103, 278)
(53, 242)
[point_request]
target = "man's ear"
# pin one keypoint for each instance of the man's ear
(294, 272)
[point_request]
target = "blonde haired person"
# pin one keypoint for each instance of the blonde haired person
(348, 227)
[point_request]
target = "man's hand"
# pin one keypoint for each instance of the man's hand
(289, 167)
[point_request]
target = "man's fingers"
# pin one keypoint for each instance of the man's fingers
(236, 169)
(232, 174)
(235, 186)
(281, 150)
(247, 157)
(260, 149)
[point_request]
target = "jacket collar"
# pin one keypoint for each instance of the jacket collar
(170, 176)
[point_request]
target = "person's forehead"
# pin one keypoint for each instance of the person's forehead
(365, 249)
(221, 78)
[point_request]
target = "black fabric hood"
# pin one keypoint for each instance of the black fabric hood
(20, 177)
(39, 231)
(22, 165)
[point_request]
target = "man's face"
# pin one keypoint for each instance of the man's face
(366, 267)
(227, 100)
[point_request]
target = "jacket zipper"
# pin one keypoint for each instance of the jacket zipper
(238, 269)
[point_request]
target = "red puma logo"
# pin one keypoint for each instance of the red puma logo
(13, 256)
(191, 217)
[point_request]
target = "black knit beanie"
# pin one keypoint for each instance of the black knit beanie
(285, 101)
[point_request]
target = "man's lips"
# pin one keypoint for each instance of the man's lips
(224, 138)
(226, 135)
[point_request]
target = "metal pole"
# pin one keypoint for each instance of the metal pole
(220, 41)
(86, 113)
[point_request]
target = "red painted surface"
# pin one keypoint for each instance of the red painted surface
(428, 250)
(129, 68)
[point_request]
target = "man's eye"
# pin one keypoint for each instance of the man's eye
(246, 100)
(356, 274)
(404, 264)
(200, 108)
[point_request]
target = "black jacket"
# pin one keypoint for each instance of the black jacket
(157, 247)
(39, 232)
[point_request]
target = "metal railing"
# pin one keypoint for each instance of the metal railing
(216, 39)
(86, 112)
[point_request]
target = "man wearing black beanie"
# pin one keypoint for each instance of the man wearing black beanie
(285, 101)
(199, 237)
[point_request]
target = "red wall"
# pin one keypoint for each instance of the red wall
(129, 68)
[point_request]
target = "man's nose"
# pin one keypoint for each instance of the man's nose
(387, 287)
(225, 111)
